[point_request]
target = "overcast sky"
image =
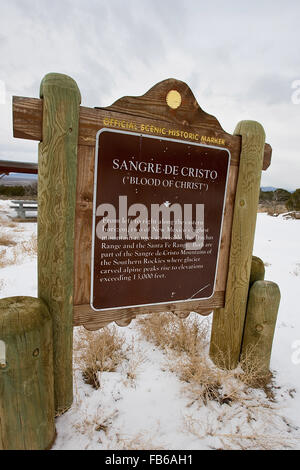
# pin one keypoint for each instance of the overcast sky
(239, 58)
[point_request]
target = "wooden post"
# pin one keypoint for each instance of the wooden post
(228, 322)
(262, 309)
(26, 375)
(56, 201)
(257, 272)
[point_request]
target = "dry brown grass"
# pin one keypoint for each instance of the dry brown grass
(6, 222)
(18, 250)
(170, 332)
(247, 391)
(203, 382)
(100, 351)
(134, 358)
(29, 247)
(104, 351)
(253, 372)
(99, 422)
(186, 342)
(141, 441)
(6, 240)
(247, 437)
(271, 208)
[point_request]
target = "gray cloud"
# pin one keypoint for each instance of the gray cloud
(239, 59)
(271, 89)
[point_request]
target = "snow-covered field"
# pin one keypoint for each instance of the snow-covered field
(154, 409)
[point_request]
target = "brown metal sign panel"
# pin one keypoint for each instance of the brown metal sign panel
(157, 219)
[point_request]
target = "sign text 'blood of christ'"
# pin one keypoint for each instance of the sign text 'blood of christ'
(158, 211)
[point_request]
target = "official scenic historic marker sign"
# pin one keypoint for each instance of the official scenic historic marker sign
(164, 170)
(144, 206)
(157, 219)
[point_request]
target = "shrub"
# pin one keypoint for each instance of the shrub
(100, 351)
(281, 195)
(167, 331)
(12, 190)
(265, 196)
(31, 189)
(293, 204)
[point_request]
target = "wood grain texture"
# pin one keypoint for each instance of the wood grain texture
(83, 224)
(26, 383)
(257, 272)
(153, 105)
(223, 261)
(92, 320)
(28, 117)
(56, 216)
(262, 310)
(125, 321)
(228, 322)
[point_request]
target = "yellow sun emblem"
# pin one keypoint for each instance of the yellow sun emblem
(173, 99)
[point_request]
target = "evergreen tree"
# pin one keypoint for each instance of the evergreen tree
(293, 204)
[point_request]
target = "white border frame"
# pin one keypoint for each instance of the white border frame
(117, 131)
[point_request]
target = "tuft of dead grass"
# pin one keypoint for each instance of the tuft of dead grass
(167, 331)
(254, 373)
(135, 357)
(6, 222)
(186, 343)
(18, 250)
(140, 441)
(100, 351)
(29, 247)
(203, 382)
(6, 240)
(250, 435)
(87, 425)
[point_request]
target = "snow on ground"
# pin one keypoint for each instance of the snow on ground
(19, 276)
(155, 410)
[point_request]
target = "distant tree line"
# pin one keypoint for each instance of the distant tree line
(12, 191)
(281, 197)
(271, 198)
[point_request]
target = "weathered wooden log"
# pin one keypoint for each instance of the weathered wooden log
(26, 375)
(262, 309)
(56, 215)
(182, 315)
(125, 321)
(228, 322)
(257, 272)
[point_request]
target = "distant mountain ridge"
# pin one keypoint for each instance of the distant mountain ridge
(18, 179)
(272, 188)
(268, 188)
